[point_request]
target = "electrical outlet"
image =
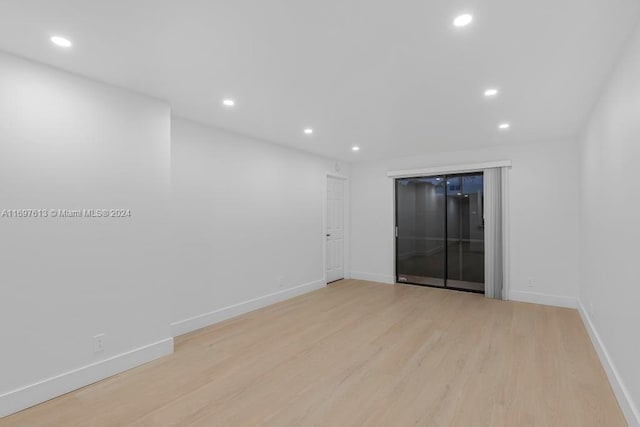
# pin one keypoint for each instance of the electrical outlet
(98, 343)
(530, 282)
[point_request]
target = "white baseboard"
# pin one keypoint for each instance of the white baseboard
(210, 318)
(371, 277)
(629, 409)
(544, 299)
(58, 385)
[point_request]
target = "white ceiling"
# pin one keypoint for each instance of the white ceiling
(392, 76)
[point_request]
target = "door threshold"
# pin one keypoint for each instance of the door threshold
(449, 288)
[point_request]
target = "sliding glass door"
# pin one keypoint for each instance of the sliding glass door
(440, 231)
(465, 233)
(420, 230)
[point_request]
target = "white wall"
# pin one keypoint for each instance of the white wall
(609, 279)
(543, 209)
(67, 142)
(248, 223)
(220, 224)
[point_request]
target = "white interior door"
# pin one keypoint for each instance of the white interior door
(335, 229)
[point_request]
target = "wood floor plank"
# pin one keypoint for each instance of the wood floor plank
(361, 353)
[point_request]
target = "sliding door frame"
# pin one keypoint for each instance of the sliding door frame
(453, 169)
(445, 177)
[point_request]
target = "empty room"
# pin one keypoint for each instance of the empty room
(319, 213)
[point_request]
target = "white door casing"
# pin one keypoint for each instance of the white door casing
(335, 229)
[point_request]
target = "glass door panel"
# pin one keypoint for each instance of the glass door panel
(420, 231)
(465, 232)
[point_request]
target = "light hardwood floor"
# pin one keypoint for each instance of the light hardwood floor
(360, 353)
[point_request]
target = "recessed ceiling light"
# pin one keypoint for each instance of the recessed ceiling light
(463, 20)
(308, 131)
(229, 102)
(356, 148)
(438, 179)
(491, 92)
(61, 41)
(504, 126)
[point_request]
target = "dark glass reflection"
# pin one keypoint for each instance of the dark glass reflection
(465, 233)
(440, 231)
(420, 212)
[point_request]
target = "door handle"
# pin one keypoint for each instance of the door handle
(328, 235)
